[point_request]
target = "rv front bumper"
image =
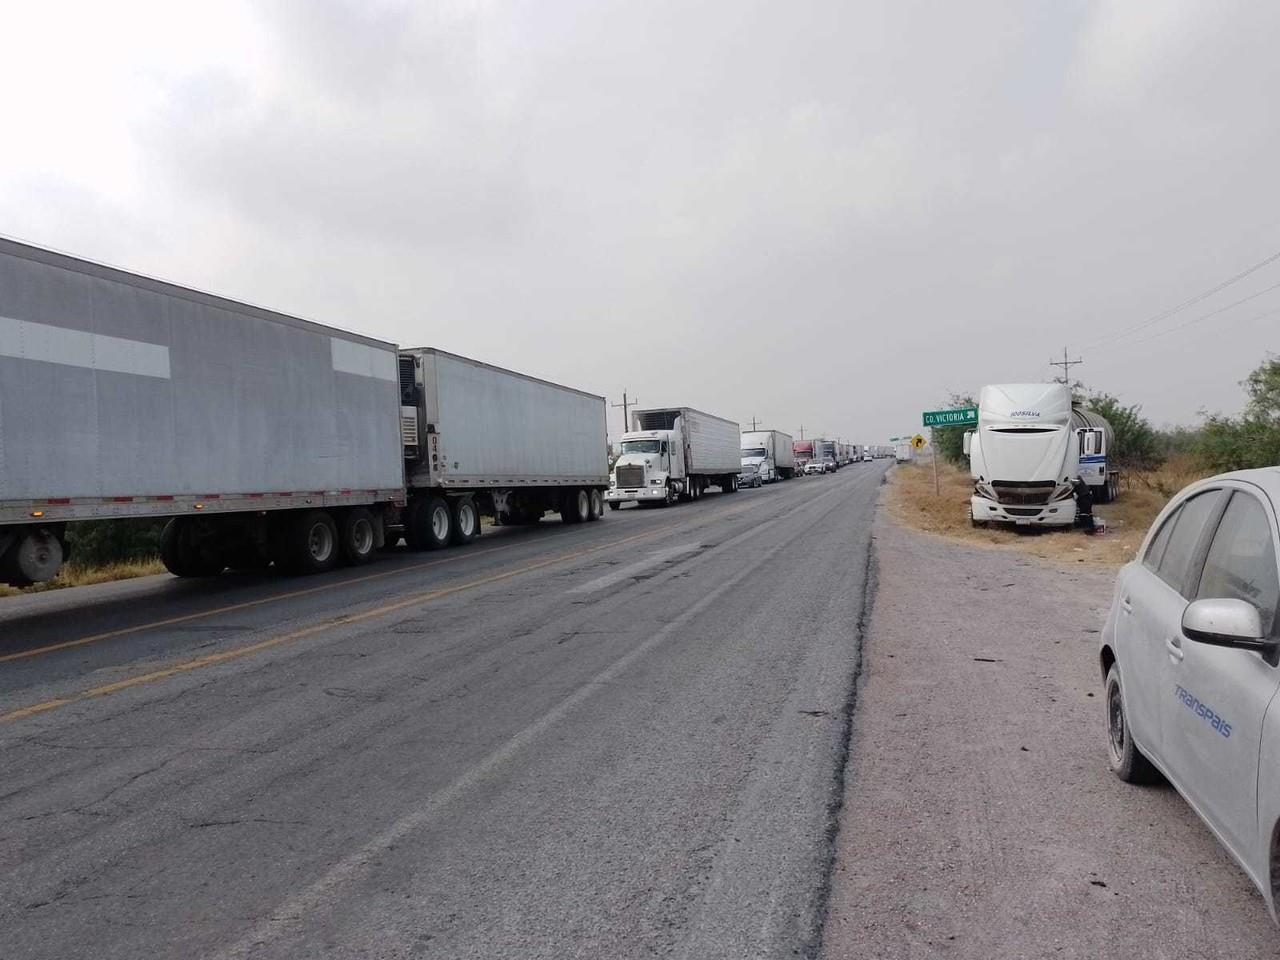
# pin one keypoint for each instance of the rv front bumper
(1060, 513)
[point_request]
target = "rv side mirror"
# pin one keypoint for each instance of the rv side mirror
(968, 442)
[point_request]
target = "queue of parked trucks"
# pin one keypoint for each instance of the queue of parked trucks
(267, 440)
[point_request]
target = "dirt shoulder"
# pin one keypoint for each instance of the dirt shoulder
(911, 499)
(980, 819)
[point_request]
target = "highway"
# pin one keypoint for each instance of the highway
(618, 739)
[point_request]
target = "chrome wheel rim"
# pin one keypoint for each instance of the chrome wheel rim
(320, 542)
(1116, 733)
(440, 522)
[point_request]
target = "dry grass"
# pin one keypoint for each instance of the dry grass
(73, 576)
(912, 501)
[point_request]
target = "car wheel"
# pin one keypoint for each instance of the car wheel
(1125, 759)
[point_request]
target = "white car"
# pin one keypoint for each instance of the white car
(814, 466)
(1191, 660)
(749, 476)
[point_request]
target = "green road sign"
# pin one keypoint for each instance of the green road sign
(961, 417)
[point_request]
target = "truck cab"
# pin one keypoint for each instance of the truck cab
(649, 468)
(758, 456)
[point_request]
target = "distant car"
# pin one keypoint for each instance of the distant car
(829, 465)
(1191, 664)
(867, 458)
(815, 466)
(750, 476)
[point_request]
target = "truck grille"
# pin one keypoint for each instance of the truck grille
(630, 476)
(1014, 491)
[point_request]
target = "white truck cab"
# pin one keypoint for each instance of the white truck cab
(650, 467)
(1030, 448)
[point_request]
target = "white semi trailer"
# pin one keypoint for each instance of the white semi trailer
(265, 438)
(1031, 446)
(674, 453)
(771, 452)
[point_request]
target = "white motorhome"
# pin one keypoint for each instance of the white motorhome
(770, 452)
(1030, 447)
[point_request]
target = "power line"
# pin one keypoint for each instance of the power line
(1186, 303)
(1259, 316)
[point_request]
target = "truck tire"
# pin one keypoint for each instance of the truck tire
(311, 543)
(430, 524)
(185, 554)
(33, 557)
(1123, 756)
(597, 505)
(465, 520)
(576, 506)
(357, 538)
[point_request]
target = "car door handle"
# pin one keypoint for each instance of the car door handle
(1174, 648)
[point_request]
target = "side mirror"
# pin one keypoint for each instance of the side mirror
(968, 442)
(1225, 623)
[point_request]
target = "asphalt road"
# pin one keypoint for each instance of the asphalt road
(620, 739)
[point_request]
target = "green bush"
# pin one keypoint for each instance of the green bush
(96, 543)
(1253, 438)
(950, 440)
(1137, 445)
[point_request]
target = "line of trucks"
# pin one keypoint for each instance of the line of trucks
(265, 440)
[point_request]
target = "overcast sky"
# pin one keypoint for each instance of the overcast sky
(828, 214)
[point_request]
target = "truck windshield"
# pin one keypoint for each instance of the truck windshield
(755, 452)
(640, 446)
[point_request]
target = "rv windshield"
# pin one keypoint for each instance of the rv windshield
(641, 446)
(754, 452)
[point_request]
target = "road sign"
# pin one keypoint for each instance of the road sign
(960, 417)
(918, 442)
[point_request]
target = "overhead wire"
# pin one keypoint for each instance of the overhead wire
(1164, 315)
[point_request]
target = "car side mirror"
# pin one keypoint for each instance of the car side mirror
(968, 442)
(1225, 623)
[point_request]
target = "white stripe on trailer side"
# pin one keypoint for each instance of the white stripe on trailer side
(363, 360)
(26, 340)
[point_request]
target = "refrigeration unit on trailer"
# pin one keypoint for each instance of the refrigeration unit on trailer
(1030, 447)
(265, 438)
(675, 453)
(770, 452)
(489, 441)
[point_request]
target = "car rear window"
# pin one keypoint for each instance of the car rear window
(1182, 552)
(1241, 563)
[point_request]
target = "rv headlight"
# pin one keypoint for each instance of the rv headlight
(1063, 491)
(985, 490)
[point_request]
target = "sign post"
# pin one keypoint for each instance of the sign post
(959, 417)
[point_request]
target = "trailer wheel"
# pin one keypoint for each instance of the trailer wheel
(597, 505)
(576, 506)
(430, 524)
(33, 557)
(310, 543)
(466, 520)
(357, 538)
(185, 553)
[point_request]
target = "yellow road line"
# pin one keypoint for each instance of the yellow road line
(214, 659)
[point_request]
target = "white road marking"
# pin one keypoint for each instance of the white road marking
(622, 573)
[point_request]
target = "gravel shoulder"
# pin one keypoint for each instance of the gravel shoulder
(979, 817)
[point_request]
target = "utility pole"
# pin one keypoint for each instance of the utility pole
(625, 405)
(1066, 364)
(753, 424)
(802, 431)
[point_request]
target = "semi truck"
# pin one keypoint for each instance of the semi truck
(802, 452)
(770, 452)
(827, 450)
(264, 439)
(1031, 447)
(674, 453)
